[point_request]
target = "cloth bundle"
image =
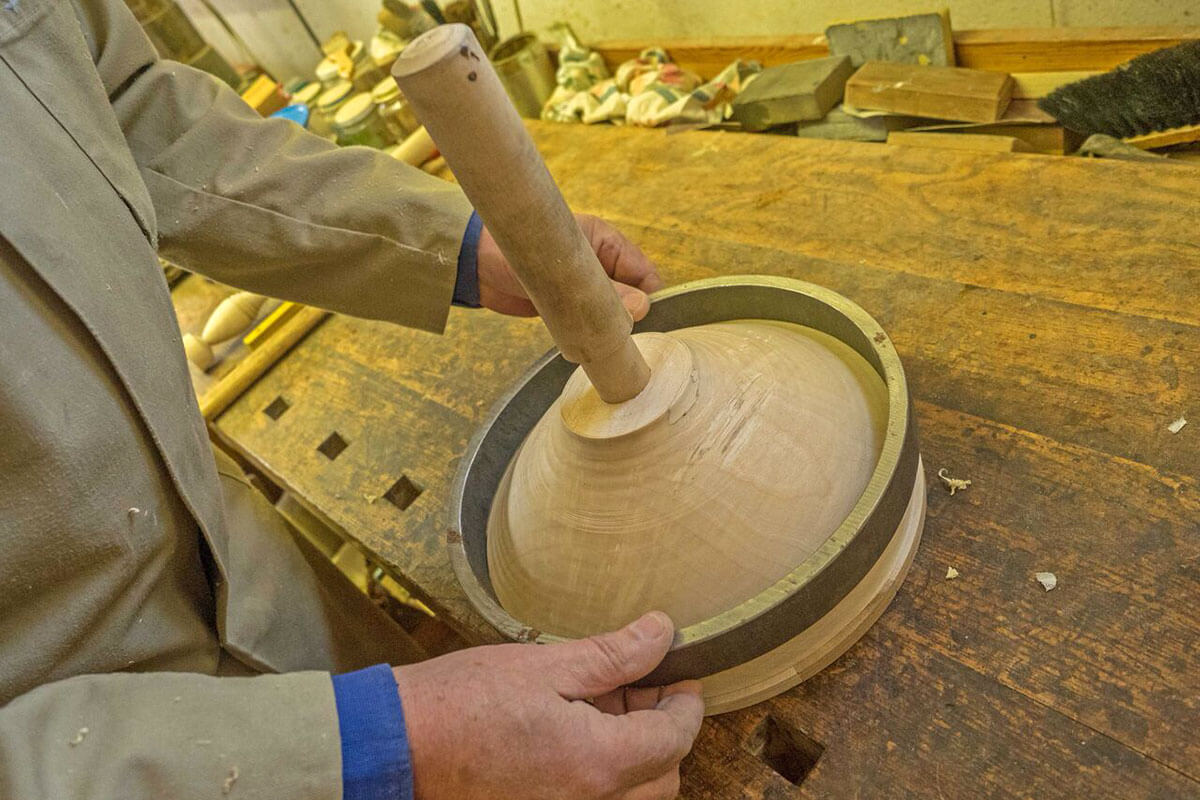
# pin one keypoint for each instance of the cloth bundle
(649, 90)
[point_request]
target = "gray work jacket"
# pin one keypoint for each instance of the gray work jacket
(133, 570)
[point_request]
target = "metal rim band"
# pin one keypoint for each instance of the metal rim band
(780, 611)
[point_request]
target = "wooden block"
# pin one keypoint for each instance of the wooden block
(1032, 85)
(981, 143)
(952, 93)
(919, 39)
(265, 96)
(805, 90)
(1049, 138)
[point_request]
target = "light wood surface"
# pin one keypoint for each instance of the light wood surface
(797, 660)
(1042, 312)
(457, 95)
(951, 93)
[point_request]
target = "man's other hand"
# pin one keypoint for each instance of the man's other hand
(541, 722)
(633, 275)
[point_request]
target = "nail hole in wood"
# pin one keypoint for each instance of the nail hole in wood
(333, 446)
(785, 749)
(403, 493)
(277, 407)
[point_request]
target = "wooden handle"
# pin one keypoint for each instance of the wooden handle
(451, 85)
(260, 360)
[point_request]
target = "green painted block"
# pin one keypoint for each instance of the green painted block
(919, 39)
(805, 90)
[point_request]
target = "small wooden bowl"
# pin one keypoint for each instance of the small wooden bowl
(803, 621)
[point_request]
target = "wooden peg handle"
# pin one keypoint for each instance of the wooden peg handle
(451, 85)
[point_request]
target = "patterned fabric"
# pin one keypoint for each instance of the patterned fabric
(650, 90)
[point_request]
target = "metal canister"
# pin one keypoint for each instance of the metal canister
(523, 66)
(366, 72)
(328, 103)
(327, 72)
(357, 122)
(397, 114)
(307, 94)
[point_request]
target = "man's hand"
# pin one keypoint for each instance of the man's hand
(525, 721)
(633, 275)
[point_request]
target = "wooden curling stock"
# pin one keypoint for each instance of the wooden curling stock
(456, 94)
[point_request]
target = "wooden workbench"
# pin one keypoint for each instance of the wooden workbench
(1048, 314)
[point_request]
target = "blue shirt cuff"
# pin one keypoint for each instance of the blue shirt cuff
(376, 763)
(466, 285)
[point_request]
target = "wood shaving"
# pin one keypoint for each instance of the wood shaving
(1177, 425)
(1047, 580)
(79, 737)
(951, 573)
(953, 484)
(227, 786)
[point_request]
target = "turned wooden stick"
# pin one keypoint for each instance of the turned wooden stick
(451, 85)
(259, 361)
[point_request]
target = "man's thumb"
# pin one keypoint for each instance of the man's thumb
(636, 302)
(598, 664)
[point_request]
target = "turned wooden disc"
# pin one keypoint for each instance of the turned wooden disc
(820, 644)
(749, 447)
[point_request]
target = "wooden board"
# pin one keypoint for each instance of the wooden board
(1049, 335)
(1034, 137)
(980, 143)
(1002, 50)
(952, 93)
(1032, 85)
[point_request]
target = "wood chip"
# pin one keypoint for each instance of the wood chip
(1047, 580)
(951, 573)
(227, 786)
(953, 484)
(1177, 425)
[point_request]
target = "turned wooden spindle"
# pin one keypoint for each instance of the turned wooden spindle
(456, 94)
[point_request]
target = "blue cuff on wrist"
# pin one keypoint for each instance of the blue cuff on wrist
(376, 763)
(466, 285)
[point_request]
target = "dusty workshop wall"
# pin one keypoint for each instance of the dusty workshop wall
(278, 40)
(274, 33)
(667, 19)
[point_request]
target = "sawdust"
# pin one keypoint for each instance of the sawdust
(79, 737)
(227, 785)
(953, 484)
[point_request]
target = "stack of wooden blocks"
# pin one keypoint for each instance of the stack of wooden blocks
(896, 80)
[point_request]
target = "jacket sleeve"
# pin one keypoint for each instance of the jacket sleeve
(151, 736)
(265, 206)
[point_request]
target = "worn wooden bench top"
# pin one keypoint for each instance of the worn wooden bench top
(1048, 314)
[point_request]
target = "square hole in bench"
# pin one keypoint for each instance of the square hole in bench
(333, 446)
(403, 493)
(276, 408)
(785, 749)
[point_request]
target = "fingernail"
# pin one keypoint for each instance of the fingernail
(650, 626)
